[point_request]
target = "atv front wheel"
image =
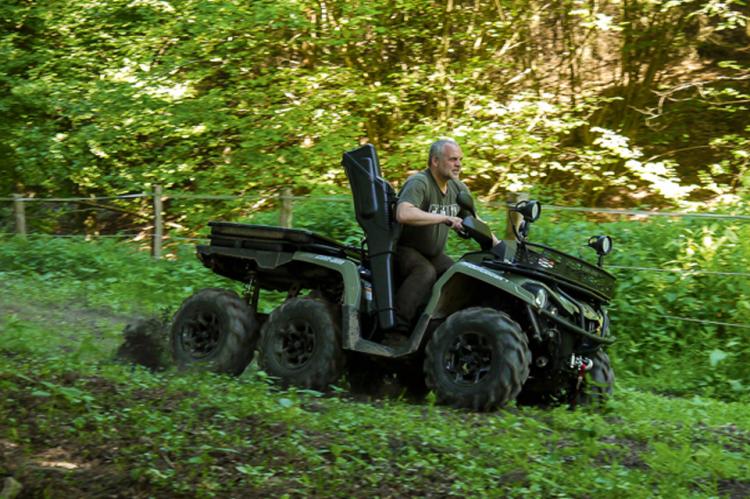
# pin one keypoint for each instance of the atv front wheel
(477, 359)
(598, 384)
(300, 344)
(216, 330)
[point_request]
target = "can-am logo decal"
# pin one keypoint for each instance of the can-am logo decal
(330, 259)
(546, 262)
(484, 271)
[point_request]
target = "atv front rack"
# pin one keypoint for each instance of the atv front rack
(547, 264)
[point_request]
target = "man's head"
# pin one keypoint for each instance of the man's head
(445, 159)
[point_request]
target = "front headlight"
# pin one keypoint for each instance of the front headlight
(541, 297)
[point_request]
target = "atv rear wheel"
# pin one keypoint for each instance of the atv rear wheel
(599, 382)
(477, 359)
(300, 344)
(216, 330)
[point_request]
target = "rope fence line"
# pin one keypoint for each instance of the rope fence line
(703, 321)
(214, 197)
(676, 214)
(71, 236)
(679, 271)
(75, 199)
(343, 198)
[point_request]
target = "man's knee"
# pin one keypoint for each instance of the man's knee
(441, 263)
(425, 273)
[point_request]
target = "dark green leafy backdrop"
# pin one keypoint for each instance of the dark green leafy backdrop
(597, 103)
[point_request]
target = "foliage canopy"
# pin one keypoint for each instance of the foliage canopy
(607, 103)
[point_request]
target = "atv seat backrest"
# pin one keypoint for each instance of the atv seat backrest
(374, 201)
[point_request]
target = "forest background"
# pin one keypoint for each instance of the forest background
(609, 104)
(599, 103)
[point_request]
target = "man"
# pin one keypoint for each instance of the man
(426, 209)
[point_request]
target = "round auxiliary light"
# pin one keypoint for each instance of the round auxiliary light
(529, 210)
(601, 244)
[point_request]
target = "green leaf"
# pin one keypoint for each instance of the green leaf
(736, 385)
(286, 403)
(716, 356)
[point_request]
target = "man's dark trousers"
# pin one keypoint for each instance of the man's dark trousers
(418, 274)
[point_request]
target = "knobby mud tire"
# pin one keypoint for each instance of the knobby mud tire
(598, 383)
(300, 344)
(477, 336)
(214, 330)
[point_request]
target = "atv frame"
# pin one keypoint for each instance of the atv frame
(519, 312)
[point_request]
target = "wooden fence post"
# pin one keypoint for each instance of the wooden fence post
(20, 210)
(513, 218)
(158, 223)
(285, 208)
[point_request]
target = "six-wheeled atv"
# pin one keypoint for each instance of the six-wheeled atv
(517, 320)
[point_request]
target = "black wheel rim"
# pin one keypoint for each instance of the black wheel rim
(200, 335)
(469, 359)
(295, 344)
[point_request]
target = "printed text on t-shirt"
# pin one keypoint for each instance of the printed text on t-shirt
(450, 210)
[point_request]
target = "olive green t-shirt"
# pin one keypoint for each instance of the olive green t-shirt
(422, 191)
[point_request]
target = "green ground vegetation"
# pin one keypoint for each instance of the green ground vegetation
(73, 419)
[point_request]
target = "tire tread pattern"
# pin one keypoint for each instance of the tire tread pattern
(512, 345)
(326, 365)
(240, 326)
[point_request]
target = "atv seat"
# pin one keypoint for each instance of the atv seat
(374, 201)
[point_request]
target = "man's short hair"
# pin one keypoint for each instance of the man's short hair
(436, 149)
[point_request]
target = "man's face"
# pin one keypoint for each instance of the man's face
(449, 165)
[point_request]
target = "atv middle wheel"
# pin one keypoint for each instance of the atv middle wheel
(300, 344)
(477, 359)
(216, 330)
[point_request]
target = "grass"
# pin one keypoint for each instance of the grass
(73, 421)
(70, 416)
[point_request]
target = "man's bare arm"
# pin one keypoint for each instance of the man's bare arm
(407, 213)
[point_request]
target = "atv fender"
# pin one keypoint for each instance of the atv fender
(347, 269)
(439, 303)
(351, 338)
(451, 287)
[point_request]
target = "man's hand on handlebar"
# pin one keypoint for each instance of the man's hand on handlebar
(454, 223)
